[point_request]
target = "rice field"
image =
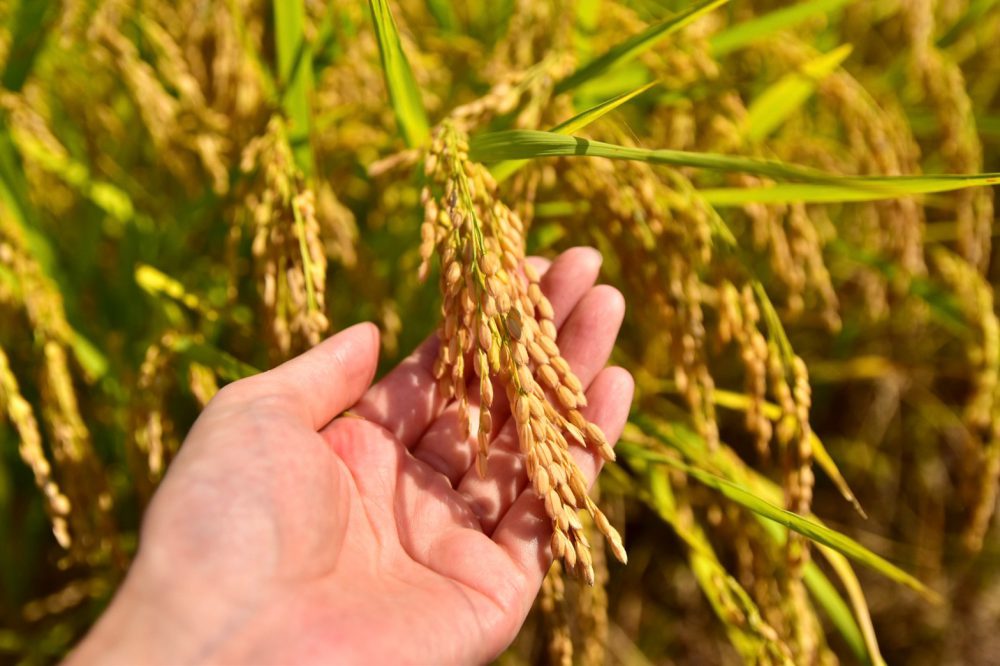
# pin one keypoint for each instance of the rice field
(796, 199)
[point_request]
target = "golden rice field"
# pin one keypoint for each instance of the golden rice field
(796, 198)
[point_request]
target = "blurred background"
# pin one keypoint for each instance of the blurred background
(192, 191)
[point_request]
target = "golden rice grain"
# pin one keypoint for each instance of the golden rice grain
(495, 311)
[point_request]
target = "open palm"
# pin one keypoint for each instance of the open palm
(285, 533)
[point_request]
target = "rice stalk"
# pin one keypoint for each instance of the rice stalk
(495, 312)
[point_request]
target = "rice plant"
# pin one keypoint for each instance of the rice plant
(796, 198)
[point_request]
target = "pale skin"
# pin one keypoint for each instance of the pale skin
(287, 531)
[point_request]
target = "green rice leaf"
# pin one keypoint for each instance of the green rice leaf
(529, 144)
(637, 45)
(105, 195)
(17, 204)
(296, 77)
(820, 186)
(28, 29)
(870, 188)
(586, 13)
(625, 78)
(157, 283)
(93, 363)
(776, 104)
(741, 402)
(225, 365)
(804, 526)
(975, 12)
(827, 596)
(856, 594)
(581, 120)
(404, 95)
(855, 630)
(504, 170)
(444, 14)
(766, 25)
(722, 590)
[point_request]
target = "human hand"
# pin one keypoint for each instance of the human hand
(285, 532)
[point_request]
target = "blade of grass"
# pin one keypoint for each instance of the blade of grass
(722, 590)
(581, 120)
(766, 25)
(627, 77)
(106, 196)
(728, 464)
(545, 209)
(444, 14)
(804, 526)
(637, 45)
(529, 144)
(295, 77)
(28, 30)
(842, 615)
(226, 366)
(404, 95)
(17, 204)
(326, 46)
(741, 402)
(504, 170)
(779, 101)
(586, 15)
(157, 283)
(856, 594)
(819, 586)
(977, 9)
(897, 186)
(14, 196)
(942, 303)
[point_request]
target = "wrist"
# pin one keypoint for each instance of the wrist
(170, 623)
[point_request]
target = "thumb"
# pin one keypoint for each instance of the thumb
(328, 378)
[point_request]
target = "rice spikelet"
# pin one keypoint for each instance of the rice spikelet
(497, 318)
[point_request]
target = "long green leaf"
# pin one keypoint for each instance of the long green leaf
(581, 120)
(404, 95)
(14, 196)
(943, 306)
(894, 187)
(741, 402)
(157, 283)
(528, 144)
(766, 25)
(28, 31)
(827, 596)
(719, 587)
(587, 14)
(105, 195)
(977, 9)
(637, 45)
(504, 170)
(227, 366)
(296, 77)
(444, 14)
(779, 101)
(804, 526)
(855, 630)
(17, 204)
(856, 594)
